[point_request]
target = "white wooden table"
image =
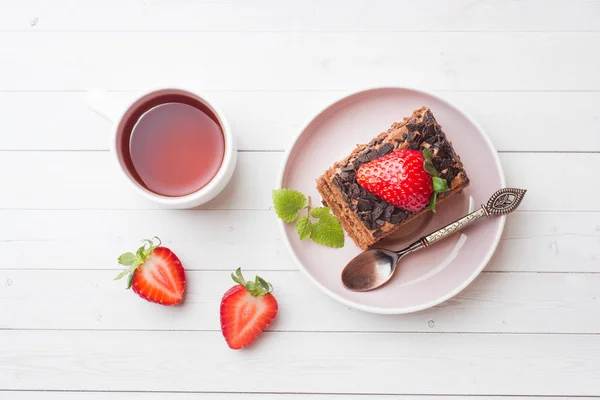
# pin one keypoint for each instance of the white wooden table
(527, 70)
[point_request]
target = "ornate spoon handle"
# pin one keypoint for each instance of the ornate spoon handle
(504, 201)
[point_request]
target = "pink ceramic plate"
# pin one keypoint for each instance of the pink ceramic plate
(426, 278)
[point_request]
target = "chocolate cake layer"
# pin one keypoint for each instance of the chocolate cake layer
(368, 218)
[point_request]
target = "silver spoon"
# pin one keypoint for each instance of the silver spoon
(374, 268)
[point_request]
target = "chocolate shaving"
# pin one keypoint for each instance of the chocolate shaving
(378, 210)
(385, 150)
(364, 205)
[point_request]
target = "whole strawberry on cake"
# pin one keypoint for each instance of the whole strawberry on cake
(399, 175)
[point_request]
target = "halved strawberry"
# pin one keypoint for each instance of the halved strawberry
(247, 309)
(155, 273)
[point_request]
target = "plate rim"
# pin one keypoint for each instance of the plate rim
(398, 310)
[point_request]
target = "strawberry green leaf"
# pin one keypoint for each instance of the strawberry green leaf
(439, 185)
(427, 154)
(127, 259)
(130, 281)
(433, 201)
(257, 287)
(303, 227)
(287, 203)
(328, 232)
(122, 274)
(430, 169)
(128, 271)
(141, 253)
(428, 163)
(268, 288)
(238, 277)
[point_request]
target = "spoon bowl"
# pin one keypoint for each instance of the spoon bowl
(369, 270)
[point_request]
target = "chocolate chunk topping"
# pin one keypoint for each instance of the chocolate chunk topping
(345, 196)
(364, 205)
(337, 180)
(378, 210)
(398, 216)
(385, 150)
(363, 158)
(347, 176)
(441, 163)
(387, 213)
(372, 155)
(377, 233)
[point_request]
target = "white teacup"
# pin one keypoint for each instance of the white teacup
(124, 119)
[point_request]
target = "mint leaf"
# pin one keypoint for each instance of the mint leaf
(287, 203)
(127, 259)
(439, 185)
(328, 232)
(320, 212)
(303, 227)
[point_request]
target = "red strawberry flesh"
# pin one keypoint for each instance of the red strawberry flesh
(399, 178)
(161, 278)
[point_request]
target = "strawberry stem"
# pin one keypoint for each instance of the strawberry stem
(440, 185)
(257, 287)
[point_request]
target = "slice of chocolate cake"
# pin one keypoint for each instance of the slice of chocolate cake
(363, 215)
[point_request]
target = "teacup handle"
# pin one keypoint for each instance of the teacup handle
(104, 104)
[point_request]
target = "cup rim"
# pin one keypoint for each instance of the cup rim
(214, 186)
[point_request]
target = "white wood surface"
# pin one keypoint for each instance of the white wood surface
(65, 113)
(88, 395)
(305, 362)
(527, 70)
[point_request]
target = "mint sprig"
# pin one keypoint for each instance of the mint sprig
(439, 184)
(319, 225)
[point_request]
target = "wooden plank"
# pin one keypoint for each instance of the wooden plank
(278, 60)
(549, 242)
(92, 180)
(269, 120)
(372, 363)
(46, 395)
(532, 241)
(310, 15)
(89, 180)
(494, 303)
